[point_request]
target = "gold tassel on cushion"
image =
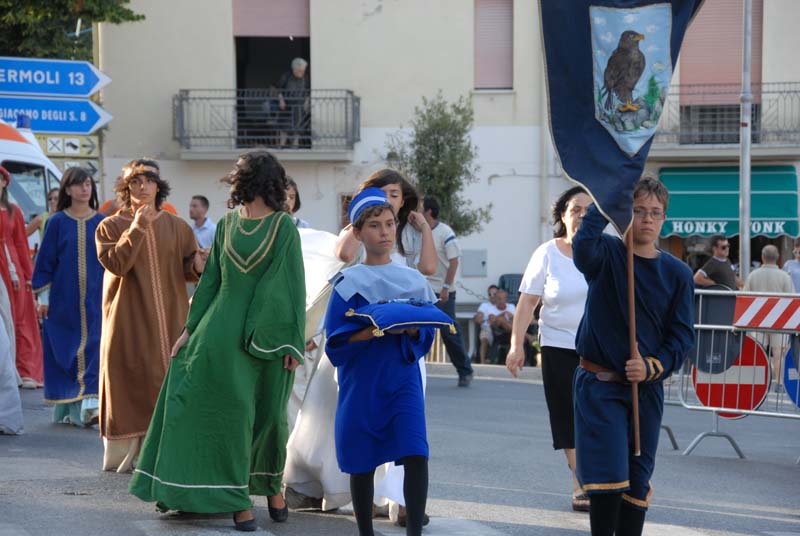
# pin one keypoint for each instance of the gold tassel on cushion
(453, 330)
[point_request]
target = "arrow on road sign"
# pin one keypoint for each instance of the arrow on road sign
(67, 116)
(61, 78)
(88, 146)
(91, 167)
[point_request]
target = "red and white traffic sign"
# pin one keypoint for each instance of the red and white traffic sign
(743, 386)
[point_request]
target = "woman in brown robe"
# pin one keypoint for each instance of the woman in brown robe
(149, 256)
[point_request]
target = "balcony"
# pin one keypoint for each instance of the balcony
(214, 124)
(702, 121)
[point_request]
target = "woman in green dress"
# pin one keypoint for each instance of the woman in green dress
(219, 430)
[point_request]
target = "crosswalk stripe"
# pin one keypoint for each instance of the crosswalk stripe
(203, 527)
(439, 526)
(7, 529)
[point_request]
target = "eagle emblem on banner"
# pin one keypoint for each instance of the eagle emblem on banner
(632, 70)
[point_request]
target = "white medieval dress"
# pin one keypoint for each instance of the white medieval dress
(10, 402)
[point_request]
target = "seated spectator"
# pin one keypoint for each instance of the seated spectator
(482, 319)
(501, 320)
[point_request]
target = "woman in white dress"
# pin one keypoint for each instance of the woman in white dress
(10, 403)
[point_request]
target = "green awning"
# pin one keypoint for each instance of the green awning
(705, 201)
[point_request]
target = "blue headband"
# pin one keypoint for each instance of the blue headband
(368, 197)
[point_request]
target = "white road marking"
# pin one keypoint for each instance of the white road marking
(7, 529)
(201, 527)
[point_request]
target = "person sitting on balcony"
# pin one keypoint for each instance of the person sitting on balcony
(294, 104)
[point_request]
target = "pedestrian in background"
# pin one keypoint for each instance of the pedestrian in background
(718, 270)
(149, 256)
(68, 281)
(771, 279)
(203, 226)
(552, 279)
(293, 204)
(792, 266)
(443, 283)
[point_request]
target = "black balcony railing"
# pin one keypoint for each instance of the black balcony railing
(709, 115)
(218, 119)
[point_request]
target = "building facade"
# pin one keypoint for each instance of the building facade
(196, 83)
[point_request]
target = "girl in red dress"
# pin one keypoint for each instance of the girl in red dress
(16, 270)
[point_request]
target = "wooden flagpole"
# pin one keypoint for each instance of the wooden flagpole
(632, 341)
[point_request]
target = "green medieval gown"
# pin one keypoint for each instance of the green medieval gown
(219, 430)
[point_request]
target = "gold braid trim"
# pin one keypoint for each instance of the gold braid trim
(607, 486)
(245, 265)
(378, 332)
(82, 276)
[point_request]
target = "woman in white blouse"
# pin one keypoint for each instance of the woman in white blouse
(551, 277)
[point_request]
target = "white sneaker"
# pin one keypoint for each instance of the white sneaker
(29, 383)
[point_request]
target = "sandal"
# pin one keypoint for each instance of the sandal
(580, 503)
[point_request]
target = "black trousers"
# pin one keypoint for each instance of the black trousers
(453, 342)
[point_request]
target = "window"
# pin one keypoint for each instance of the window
(712, 50)
(715, 124)
(27, 188)
(711, 74)
(494, 44)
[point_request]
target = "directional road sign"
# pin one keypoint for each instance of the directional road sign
(58, 78)
(70, 144)
(63, 116)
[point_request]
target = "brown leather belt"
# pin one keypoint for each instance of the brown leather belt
(603, 374)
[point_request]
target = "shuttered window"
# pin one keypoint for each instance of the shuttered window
(712, 50)
(494, 44)
(272, 18)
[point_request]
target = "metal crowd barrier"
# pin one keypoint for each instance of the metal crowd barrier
(744, 362)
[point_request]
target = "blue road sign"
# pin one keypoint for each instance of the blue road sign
(791, 374)
(62, 116)
(59, 78)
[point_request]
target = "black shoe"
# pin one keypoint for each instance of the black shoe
(464, 381)
(245, 526)
(401, 520)
(278, 515)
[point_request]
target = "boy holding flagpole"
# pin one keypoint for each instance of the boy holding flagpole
(609, 470)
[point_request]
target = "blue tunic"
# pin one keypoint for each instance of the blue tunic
(664, 333)
(380, 416)
(67, 265)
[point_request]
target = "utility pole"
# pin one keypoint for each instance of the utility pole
(744, 144)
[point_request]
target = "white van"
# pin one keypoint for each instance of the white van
(32, 173)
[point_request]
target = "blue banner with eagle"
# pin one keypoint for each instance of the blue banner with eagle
(608, 65)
